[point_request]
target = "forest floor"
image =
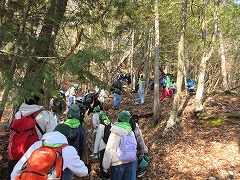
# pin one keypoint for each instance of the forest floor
(192, 151)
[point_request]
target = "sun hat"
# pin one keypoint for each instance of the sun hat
(73, 111)
(103, 118)
(124, 116)
(64, 129)
(143, 79)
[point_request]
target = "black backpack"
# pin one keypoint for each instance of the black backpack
(106, 133)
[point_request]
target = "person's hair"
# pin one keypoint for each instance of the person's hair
(33, 100)
(132, 124)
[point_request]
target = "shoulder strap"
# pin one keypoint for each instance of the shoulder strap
(34, 115)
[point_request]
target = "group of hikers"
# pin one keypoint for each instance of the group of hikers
(47, 145)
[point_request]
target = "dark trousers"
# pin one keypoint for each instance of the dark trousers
(102, 173)
(11, 164)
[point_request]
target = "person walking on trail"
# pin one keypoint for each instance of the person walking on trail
(120, 170)
(80, 104)
(91, 101)
(77, 138)
(95, 124)
(141, 89)
(70, 157)
(102, 136)
(116, 89)
(101, 97)
(166, 86)
(142, 149)
(173, 87)
(71, 92)
(58, 106)
(45, 122)
(78, 133)
(191, 86)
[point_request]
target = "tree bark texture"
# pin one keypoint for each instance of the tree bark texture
(181, 57)
(156, 107)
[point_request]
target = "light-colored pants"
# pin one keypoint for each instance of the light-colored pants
(116, 99)
(140, 98)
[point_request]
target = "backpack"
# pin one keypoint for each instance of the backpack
(107, 133)
(22, 135)
(44, 163)
(127, 150)
(88, 99)
(164, 82)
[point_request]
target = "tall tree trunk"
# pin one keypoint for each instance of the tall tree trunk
(181, 56)
(206, 55)
(46, 40)
(156, 107)
(223, 62)
(146, 62)
(2, 10)
(130, 69)
(14, 60)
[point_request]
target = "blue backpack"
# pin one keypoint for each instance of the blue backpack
(164, 82)
(127, 150)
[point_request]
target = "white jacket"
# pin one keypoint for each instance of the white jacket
(110, 156)
(95, 121)
(71, 160)
(99, 144)
(45, 119)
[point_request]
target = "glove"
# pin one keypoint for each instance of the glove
(89, 168)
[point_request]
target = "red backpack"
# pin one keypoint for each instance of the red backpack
(44, 163)
(22, 135)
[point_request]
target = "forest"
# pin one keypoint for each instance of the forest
(48, 44)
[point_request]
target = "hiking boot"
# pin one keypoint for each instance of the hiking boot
(140, 174)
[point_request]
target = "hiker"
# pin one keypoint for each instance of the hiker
(78, 132)
(127, 78)
(142, 149)
(71, 94)
(166, 86)
(116, 89)
(95, 124)
(191, 85)
(141, 89)
(54, 139)
(91, 101)
(79, 103)
(96, 103)
(77, 138)
(45, 123)
(173, 87)
(101, 97)
(58, 105)
(120, 169)
(102, 136)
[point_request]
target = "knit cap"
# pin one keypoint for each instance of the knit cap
(124, 116)
(143, 79)
(96, 109)
(103, 117)
(73, 112)
(64, 129)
